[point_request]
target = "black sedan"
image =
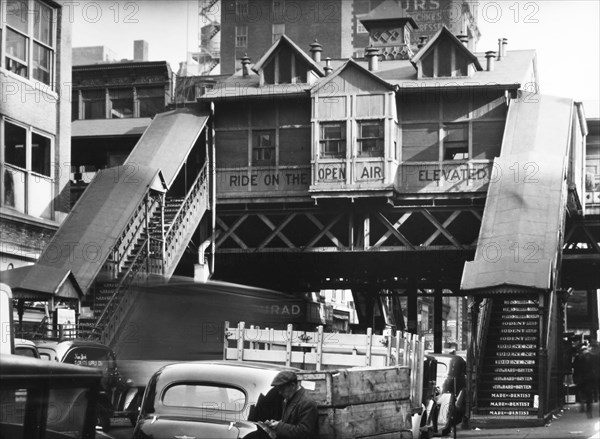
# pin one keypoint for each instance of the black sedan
(209, 399)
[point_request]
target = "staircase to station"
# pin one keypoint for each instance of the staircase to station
(155, 248)
(508, 379)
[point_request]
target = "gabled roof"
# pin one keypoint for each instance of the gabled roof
(389, 10)
(167, 141)
(41, 282)
(350, 63)
(444, 31)
(88, 235)
(285, 40)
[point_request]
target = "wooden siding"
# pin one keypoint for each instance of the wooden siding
(289, 175)
(426, 122)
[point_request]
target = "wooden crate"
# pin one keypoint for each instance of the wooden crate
(344, 387)
(362, 420)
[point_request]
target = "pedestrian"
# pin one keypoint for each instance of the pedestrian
(584, 377)
(300, 416)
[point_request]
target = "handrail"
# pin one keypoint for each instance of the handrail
(138, 213)
(483, 319)
(185, 200)
(120, 284)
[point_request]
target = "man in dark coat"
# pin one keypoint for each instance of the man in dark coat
(300, 416)
(584, 375)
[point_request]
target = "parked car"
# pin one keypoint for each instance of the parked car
(216, 399)
(46, 400)
(117, 398)
(26, 348)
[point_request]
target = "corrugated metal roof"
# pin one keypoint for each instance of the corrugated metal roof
(87, 236)
(109, 127)
(170, 131)
(32, 282)
(519, 238)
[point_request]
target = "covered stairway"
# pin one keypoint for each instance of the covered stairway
(132, 221)
(515, 372)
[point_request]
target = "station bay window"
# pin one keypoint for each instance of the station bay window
(27, 183)
(370, 138)
(263, 147)
(29, 44)
(453, 126)
(332, 139)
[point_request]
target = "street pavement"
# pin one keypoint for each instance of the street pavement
(569, 423)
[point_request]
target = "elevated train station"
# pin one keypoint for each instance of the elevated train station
(430, 170)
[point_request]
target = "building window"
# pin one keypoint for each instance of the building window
(121, 103)
(278, 31)
(456, 141)
(94, 104)
(241, 36)
(263, 147)
(360, 29)
(29, 46)
(370, 138)
(151, 100)
(241, 8)
(27, 183)
(333, 139)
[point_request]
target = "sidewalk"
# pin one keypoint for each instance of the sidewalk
(569, 424)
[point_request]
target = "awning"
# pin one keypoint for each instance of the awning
(109, 127)
(168, 141)
(41, 283)
(88, 235)
(519, 239)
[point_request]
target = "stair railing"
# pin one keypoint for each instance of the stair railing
(546, 356)
(146, 207)
(129, 237)
(109, 320)
(180, 221)
(483, 323)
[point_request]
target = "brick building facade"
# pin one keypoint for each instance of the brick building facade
(252, 26)
(35, 129)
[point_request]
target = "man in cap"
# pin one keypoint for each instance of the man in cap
(300, 415)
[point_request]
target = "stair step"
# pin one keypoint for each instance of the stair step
(495, 353)
(516, 339)
(507, 361)
(509, 395)
(513, 315)
(509, 378)
(504, 387)
(506, 404)
(508, 412)
(515, 330)
(515, 308)
(514, 347)
(509, 370)
(493, 421)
